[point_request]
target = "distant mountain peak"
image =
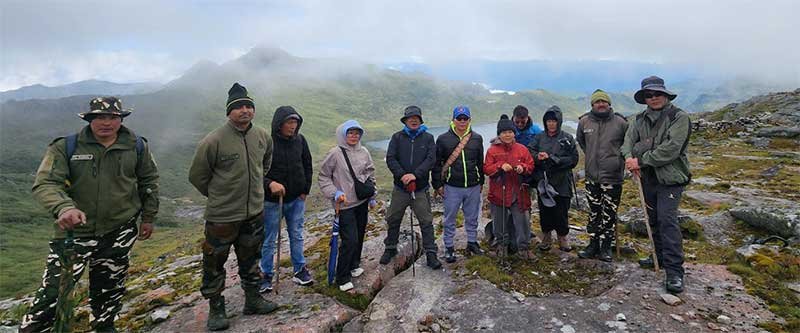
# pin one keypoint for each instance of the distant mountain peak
(265, 56)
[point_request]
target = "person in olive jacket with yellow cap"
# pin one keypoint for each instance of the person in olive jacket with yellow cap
(228, 168)
(96, 184)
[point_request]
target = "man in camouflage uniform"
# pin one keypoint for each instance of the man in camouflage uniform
(600, 134)
(228, 168)
(98, 192)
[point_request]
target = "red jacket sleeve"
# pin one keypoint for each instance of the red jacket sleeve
(491, 165)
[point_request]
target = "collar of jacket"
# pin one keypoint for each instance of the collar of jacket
(414, 134)
(498, 142)
(601, 115)
(653, 115)
(237, 130)
(453, 128)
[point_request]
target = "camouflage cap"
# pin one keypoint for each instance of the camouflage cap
(104, 105)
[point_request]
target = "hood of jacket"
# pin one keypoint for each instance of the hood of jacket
(281, 116)
(341, 134)
(553, 111)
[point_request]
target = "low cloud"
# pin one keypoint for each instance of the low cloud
(156, 40)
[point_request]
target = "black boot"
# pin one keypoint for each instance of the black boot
(605, 251)
(648, 262)
(217, 318)
(387, 256)
(255, 304)
(433, 261)
(674, 284)
(450, 255)
(591, 250)
(474, 248)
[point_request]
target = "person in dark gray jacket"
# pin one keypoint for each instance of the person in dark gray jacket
(600, 134)
(555, 154)
(410, 158)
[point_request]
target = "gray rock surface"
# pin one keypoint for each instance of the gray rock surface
(469, 303)
(782, 221)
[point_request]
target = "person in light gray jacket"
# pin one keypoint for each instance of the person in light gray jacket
(348, 160)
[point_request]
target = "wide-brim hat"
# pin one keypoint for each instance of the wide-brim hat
(105, 105)
(410, 111)
(547, 193)
(652, 83)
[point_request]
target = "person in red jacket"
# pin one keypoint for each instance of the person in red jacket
(506, 163)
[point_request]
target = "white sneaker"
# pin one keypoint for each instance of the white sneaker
(346, 286)
(357, 272)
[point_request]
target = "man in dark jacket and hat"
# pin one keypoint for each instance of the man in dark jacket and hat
(554, 154)
(655, 149)
(289, 177)
(410, 158)
(600, 134)
(96, 184)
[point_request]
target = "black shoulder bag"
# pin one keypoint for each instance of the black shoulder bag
(364, 190)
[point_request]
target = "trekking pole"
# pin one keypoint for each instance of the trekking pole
(503, 246)
(278, 245)
(575, 190)
(647, 218)
(413, 235)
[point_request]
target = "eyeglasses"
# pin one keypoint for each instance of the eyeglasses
(647, 95)
(462, 118)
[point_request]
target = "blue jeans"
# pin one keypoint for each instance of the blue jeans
(469, 200)
(293, 212)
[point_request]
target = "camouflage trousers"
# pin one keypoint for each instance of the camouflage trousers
(603, 203)
(108, 262)
(246, 237)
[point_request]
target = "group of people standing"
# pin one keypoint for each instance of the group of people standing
(98, 183)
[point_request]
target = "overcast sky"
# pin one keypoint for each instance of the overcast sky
(56, 42)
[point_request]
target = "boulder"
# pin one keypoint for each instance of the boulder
(782, 221)
(779, 131)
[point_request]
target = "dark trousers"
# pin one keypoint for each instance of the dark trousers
(108, 262)
(246, 237)
(352, 226)
(663, 204)
(603, 203)
(421, 208)
(517, 229)
(554, 218)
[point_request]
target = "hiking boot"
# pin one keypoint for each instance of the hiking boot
(387, 256)
(544, 245)
(474, 248)
(524, 254)
(302, 277)
(255, 304)
(563, 244)
(346, 286)
(648, 262)
(266, 284)
(591, 250)
(450, 255)
(356, 272)
(674, 284)
(605, 251)
(217, 319)
(433, 261)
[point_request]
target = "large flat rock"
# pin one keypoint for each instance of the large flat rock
(463, 302)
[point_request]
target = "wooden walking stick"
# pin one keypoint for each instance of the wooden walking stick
(646, 218)
(278, 246)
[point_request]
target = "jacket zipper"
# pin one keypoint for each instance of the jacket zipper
(249, 176)
(412, 154)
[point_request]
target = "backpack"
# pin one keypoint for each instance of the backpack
(72, 144)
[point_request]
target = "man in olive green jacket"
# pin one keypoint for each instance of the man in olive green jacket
(228, 168)
(655, 148)
(96, 184)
